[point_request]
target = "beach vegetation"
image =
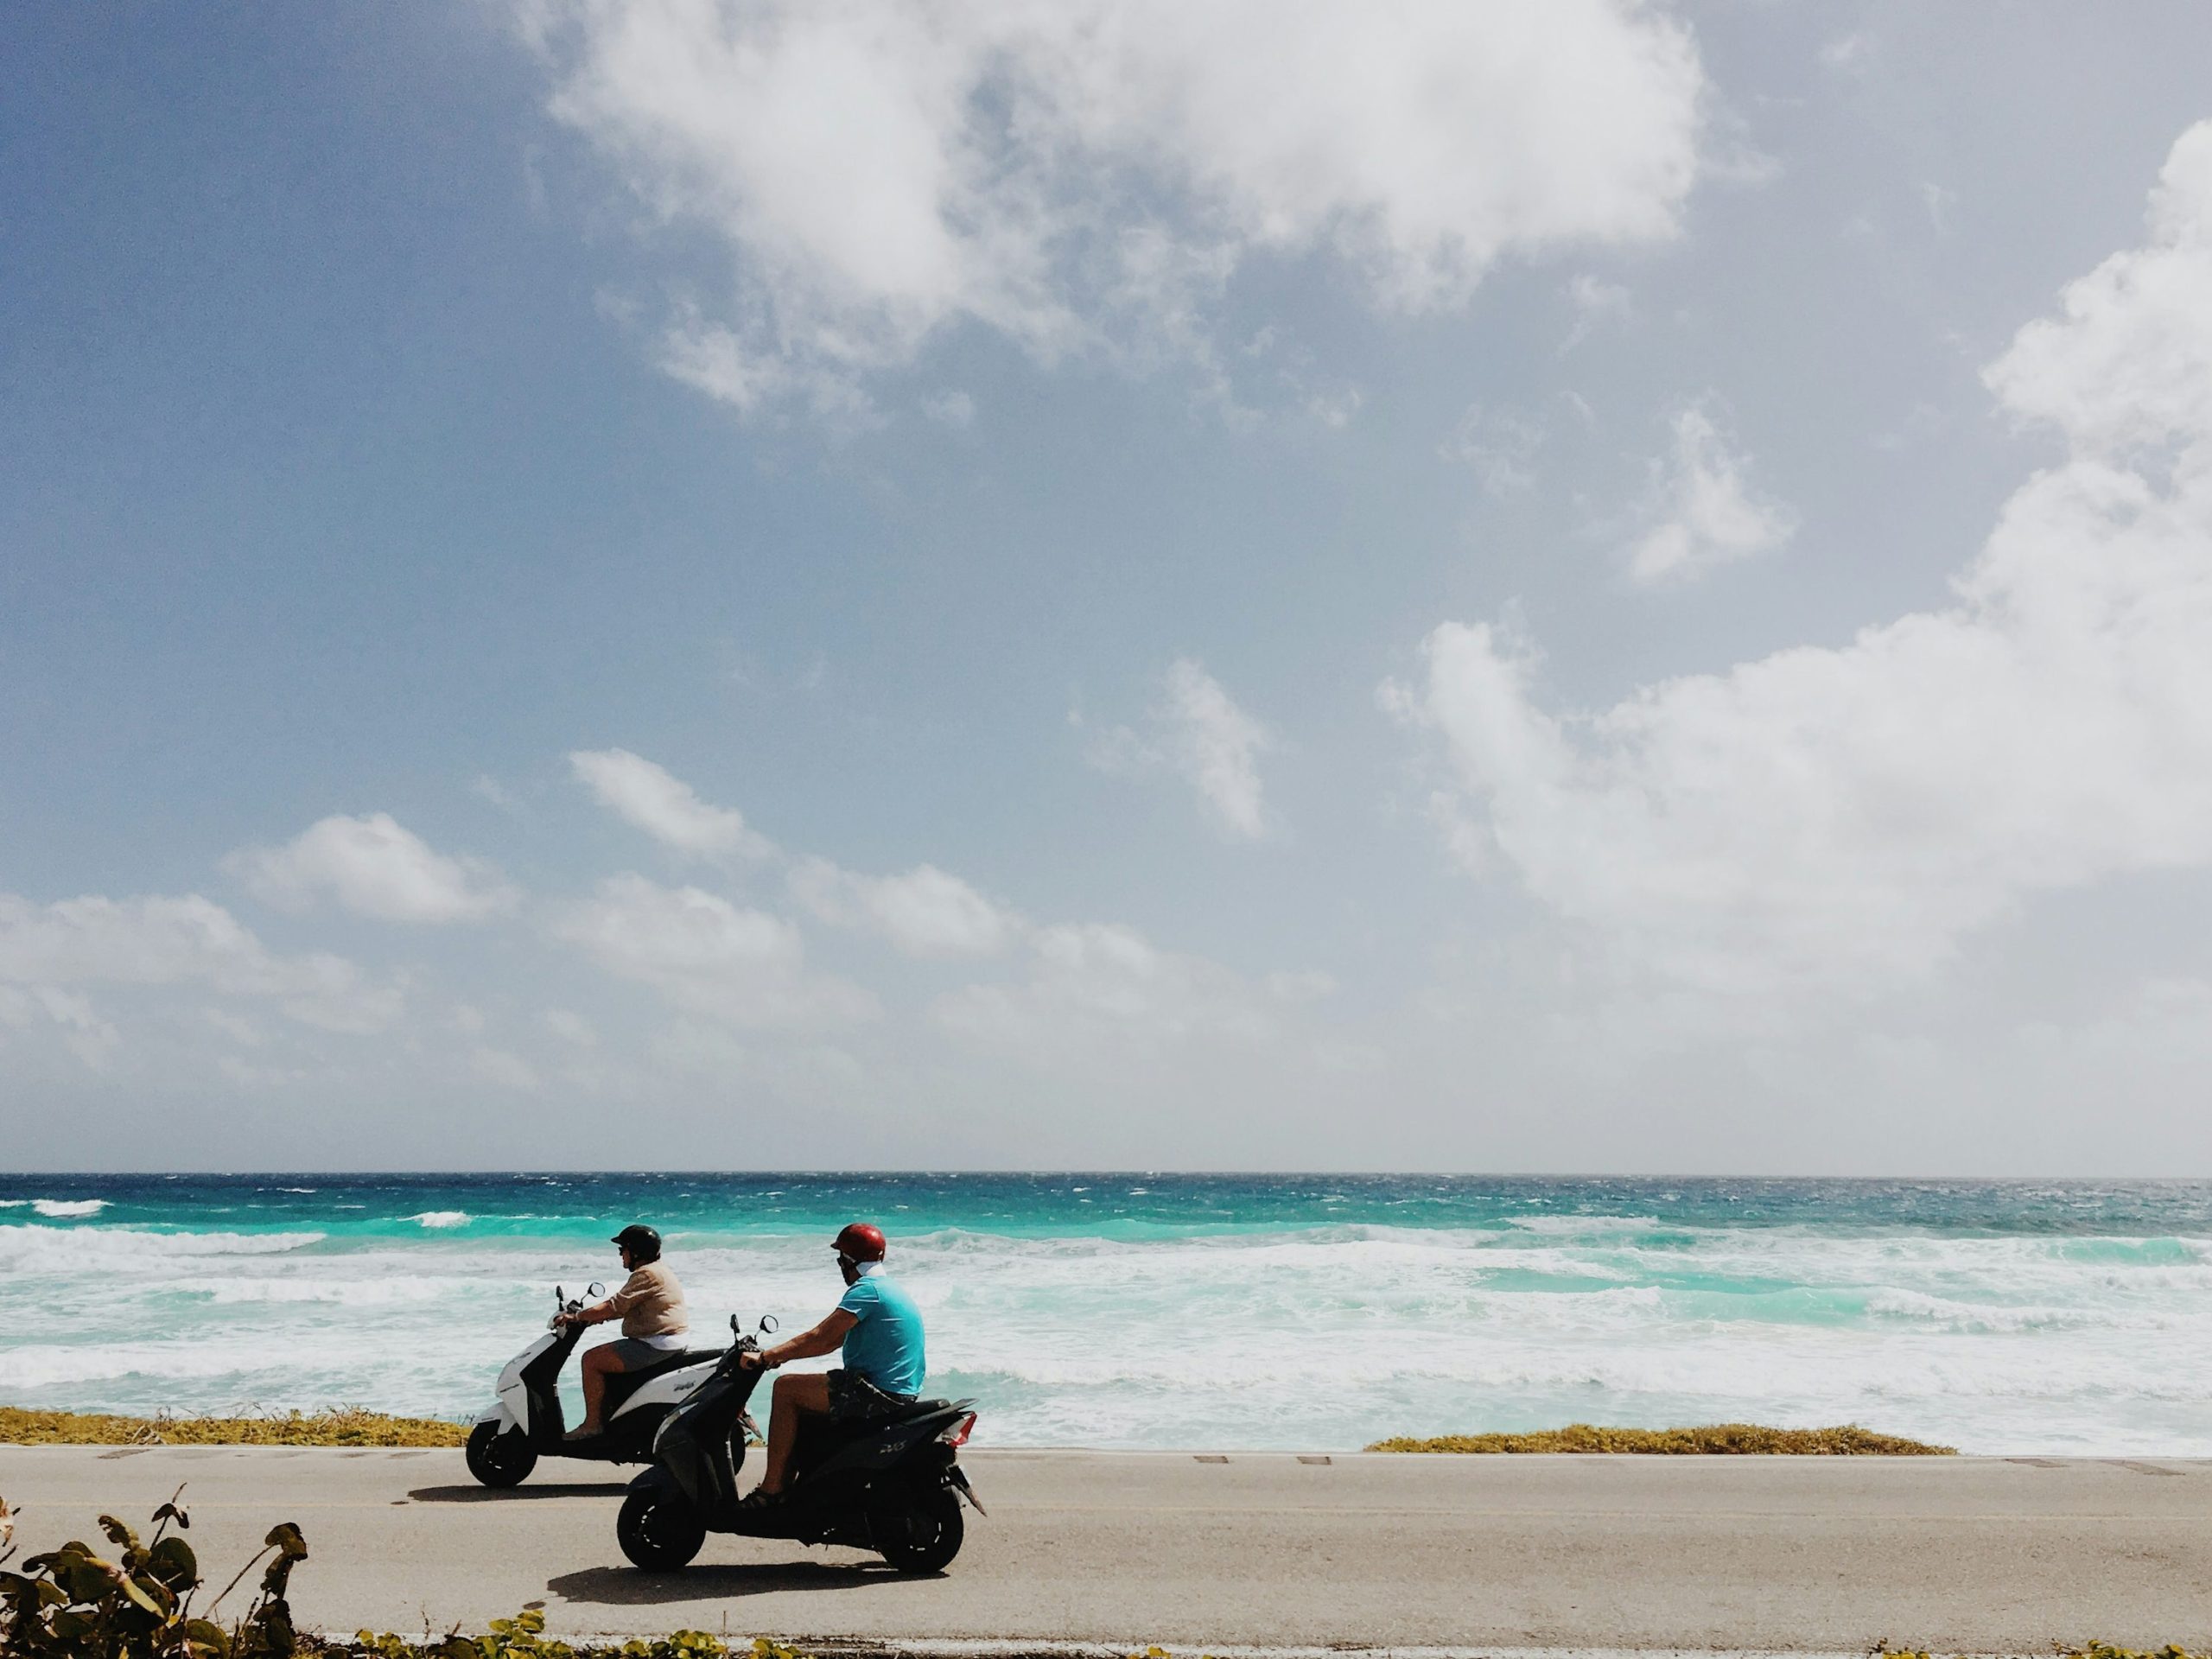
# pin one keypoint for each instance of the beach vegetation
(137, 1599)
(524, 1636)
(337, 1426)
(1710, 1440)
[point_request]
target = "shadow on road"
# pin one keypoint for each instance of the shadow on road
(627, 1586)
(512, 1494)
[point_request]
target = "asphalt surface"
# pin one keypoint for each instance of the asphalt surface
(1126, 1549)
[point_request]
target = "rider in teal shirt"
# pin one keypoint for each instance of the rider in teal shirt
(880, 1331)
(884, 1348)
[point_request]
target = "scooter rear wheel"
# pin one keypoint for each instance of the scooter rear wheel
(498, 1456)
(658, 1531)
(918, 1531)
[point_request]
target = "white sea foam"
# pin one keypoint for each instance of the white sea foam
(28, 1247)
(62, 1209)
(442, 1218)
(1313, 1337)
(344, 1293)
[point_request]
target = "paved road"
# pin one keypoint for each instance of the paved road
(1834, 1555)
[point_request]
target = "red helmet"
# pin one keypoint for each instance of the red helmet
(860, 1242)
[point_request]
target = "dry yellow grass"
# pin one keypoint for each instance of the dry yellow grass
(342, 1425)
(1724, 1439)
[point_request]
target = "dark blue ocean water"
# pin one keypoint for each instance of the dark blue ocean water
(1177, 1310)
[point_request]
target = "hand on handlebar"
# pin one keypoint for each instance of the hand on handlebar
(752, 1360)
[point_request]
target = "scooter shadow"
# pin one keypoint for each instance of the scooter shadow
(627, 1586)
(514, 1494)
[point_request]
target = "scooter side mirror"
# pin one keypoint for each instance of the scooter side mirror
(734, 1326)
(595, 1290)
(768, 1323)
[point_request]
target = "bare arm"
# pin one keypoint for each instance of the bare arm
(825, 1338)
(598, 1313)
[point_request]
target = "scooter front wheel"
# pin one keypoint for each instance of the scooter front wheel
(658, 1530)
(499, 1456)
(919, 1531)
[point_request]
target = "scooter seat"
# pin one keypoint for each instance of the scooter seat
(909, 1412)
(675, 1361)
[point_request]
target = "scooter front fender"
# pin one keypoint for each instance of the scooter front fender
(497, 1411)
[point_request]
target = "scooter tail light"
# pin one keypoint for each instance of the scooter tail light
(956, 1434)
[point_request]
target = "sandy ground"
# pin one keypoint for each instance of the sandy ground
(1124, 1550)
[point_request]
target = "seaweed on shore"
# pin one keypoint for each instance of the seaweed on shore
(338, 1426)
(1710, 1440)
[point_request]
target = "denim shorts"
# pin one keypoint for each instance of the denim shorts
(853, 1399)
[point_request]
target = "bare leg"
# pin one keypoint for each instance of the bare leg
(600, 1363)
(800, 1391)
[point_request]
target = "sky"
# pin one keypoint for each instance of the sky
(1561, 586)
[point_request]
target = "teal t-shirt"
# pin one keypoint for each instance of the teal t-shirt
(886, 1346)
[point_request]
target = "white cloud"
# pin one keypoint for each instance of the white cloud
(1849, 813)
(1596, 301)
(186, 941)
(1939, 202)
(926, 913)
(236, 1026)
(1705, 512)
(84, 1033)
(1094, 985)
(1216, 746)
(704, 954)
(570, 1027)
(1847, 51)
(1499, 445)
(664, 807)
(374, 867)
(1199, 733)
(2127, 365)
(501, 1069)
(884, 171)
(953, 409)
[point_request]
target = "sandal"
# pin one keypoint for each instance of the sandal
(757, 1499)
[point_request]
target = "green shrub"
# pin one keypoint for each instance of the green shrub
(73, 1603)
(1734, 1439)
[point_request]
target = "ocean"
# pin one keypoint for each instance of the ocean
(1223, 1311)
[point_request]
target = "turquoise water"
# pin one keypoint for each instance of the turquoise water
(1170, 1310)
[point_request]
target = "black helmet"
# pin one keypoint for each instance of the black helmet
(643, 1241)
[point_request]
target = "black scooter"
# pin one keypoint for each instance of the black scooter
(893, 1485)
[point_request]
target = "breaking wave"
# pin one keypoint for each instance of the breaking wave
(1178, 1310)
(29, 1248)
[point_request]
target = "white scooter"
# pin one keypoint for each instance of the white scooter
(525, 1422)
